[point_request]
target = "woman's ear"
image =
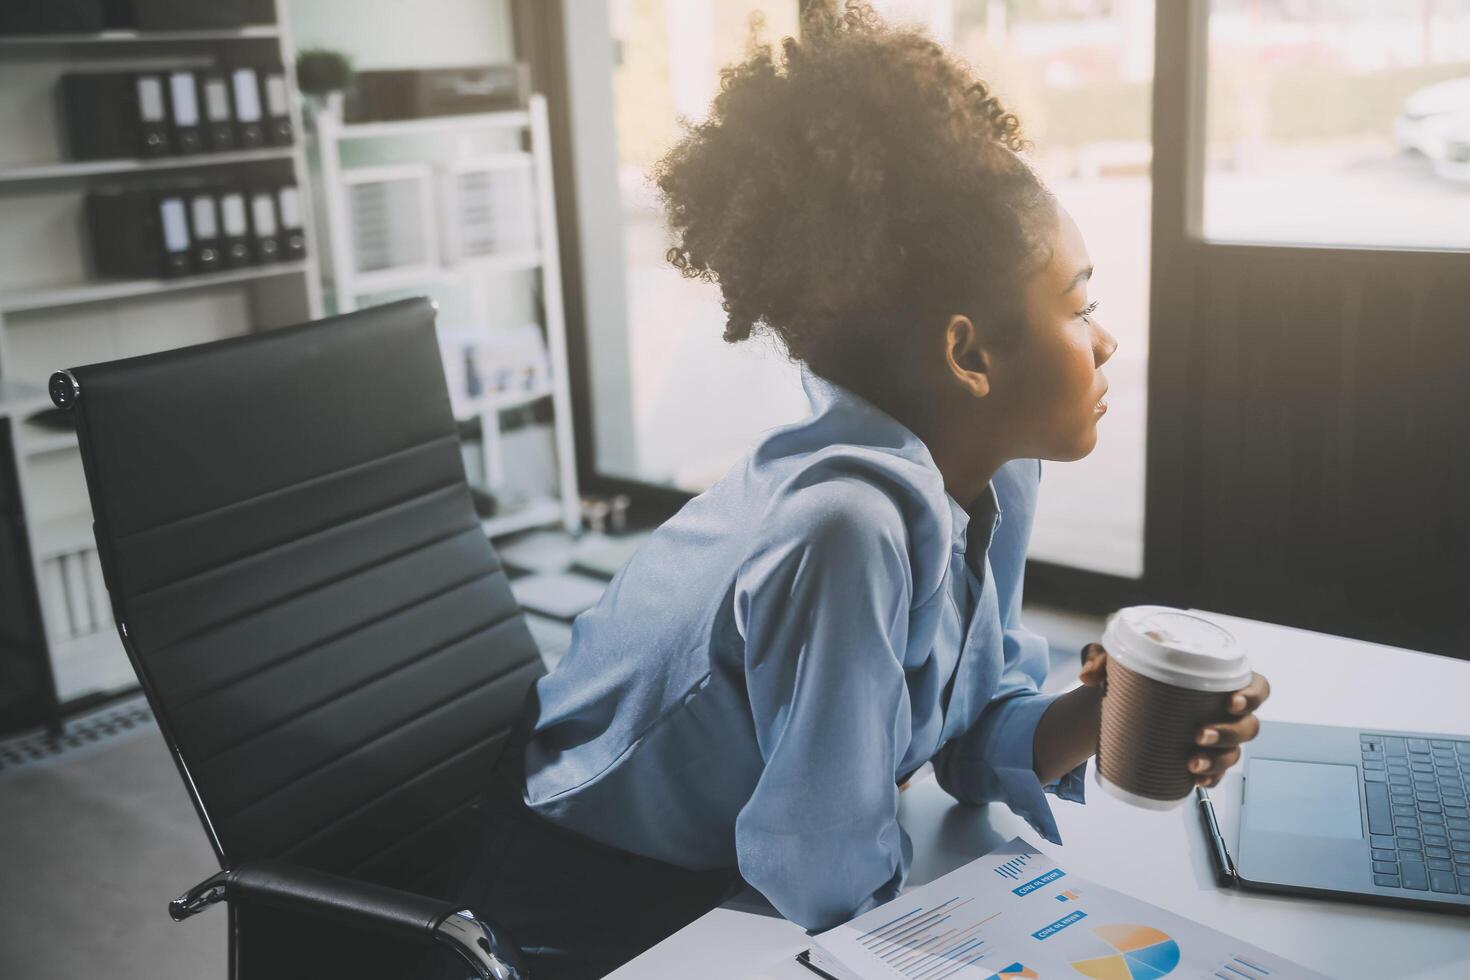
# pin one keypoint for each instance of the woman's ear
(966, 355)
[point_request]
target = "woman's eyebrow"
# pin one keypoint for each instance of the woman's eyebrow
(1083, 274)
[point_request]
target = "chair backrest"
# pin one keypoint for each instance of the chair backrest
(300, 579)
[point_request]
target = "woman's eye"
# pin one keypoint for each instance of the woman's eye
(1084, 314)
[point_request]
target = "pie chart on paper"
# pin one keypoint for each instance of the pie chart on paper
(1137, 953)
(1015, 972)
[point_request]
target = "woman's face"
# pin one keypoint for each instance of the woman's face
(1049, 383)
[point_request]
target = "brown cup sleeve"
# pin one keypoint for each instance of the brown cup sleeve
(1147, 732)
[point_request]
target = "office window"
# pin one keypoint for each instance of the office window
(1078, 72)
(697, 403)
(1343, 123)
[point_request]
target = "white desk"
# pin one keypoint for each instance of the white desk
(1161, 857)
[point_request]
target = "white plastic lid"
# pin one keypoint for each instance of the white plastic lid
(1177, 647)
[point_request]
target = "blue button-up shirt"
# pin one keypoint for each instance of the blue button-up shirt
(780, 654)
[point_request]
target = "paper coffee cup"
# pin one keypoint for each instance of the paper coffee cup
(1169, 672)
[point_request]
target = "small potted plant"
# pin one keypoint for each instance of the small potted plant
(323, 75)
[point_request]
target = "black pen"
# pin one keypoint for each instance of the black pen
(1224, 867)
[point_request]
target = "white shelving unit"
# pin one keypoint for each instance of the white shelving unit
(103, 38)
(102, 290)
(354, 288)
(68, 170)
(55, 314)
(18, 399)
(37, 439)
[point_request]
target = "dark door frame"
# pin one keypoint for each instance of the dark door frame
(1306, 455)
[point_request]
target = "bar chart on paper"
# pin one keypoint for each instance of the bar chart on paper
(931, 943)
(1016, 913)
(1013, 868)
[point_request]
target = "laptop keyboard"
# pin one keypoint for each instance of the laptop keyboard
(1418, 812)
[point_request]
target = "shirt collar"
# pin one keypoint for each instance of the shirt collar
(830, 399)
(983, 519)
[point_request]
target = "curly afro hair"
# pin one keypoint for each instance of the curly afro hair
(861, 186)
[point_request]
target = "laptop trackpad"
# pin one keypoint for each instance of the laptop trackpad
(1313, 799)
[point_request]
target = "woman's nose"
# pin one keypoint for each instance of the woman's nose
(1103, 345)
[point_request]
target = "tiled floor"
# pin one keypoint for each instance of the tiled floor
(93, 845)
(95, 840)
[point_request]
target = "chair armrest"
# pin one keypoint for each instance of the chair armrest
(315, 893)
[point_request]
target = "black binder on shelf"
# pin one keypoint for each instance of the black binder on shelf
(115, 114)
(183, 106)
(234, 225)
(413, 93)
(139, 232)
(249, 124)
(265, 227)
(173, 15)
(204, 230)
(262, 11)
(293, 225)
(50, 16)
(217, 118)
(278, 130)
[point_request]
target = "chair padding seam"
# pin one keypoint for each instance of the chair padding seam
(315, 587)
(448, 760)
(131, 536)
(454, 697)
(159, 592)
(344, 692)
(336, 637)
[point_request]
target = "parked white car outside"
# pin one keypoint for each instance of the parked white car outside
(1435, 123)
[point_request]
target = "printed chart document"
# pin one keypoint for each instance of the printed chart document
(1017, 913)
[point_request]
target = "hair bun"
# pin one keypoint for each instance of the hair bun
(857, 186)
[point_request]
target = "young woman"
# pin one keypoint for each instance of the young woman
(844, 605)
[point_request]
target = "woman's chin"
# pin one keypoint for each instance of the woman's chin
(1076, 445)
(1081, 448)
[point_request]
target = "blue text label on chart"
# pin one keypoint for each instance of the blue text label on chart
(1046, 932)
(1036, 883)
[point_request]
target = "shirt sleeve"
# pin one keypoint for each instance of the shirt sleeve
(822, 603)
(993, 760)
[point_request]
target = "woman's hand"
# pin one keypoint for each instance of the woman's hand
(1218, 743)
(1094, 671)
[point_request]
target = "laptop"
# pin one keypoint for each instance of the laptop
(1368, 814)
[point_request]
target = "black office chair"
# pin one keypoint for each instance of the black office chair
(320, 625)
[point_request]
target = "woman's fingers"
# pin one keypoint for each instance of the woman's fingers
(1249, 698)
(1094, 665)
(1212, 765)
(1218, 743)
(1228, 734)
